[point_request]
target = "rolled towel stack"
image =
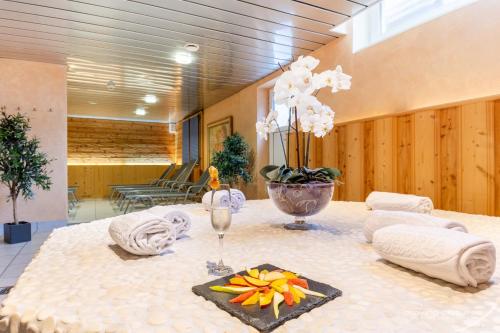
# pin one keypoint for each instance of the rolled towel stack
(221, 199)
(239, 197)
(382, 218)
(142, 233)
(180, 219)
(456, 257)
(400, 202)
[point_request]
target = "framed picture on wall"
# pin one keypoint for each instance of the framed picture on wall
(218, 131)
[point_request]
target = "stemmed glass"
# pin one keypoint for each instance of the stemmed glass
(221, 221)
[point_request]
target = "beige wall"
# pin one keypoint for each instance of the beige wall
(450, 59)
(42, 86)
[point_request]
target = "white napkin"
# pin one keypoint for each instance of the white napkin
(142, 233)
(382, 218)
(396, 201)
(456, 257)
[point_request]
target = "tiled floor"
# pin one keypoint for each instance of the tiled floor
(15, 257)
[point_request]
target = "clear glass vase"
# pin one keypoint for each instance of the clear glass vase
(300, 200)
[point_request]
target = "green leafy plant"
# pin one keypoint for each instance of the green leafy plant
(303, 175)
(233, 161)
(22, 164)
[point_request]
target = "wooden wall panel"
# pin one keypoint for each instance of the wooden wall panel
(450, 154)
(449, 159)
(426, 153)
(93, 180)
(496, 127)
(477, 158)
(353, 171)
(384, 152)
(369, 157)
(405, 154)
(97, 141)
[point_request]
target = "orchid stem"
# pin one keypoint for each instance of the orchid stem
(297, 138)
(288, 136)
(282, 143)
(306, 162)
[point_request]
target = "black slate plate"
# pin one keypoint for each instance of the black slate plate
(264, 319)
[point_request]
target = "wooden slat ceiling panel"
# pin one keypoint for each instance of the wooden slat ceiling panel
(133, 43)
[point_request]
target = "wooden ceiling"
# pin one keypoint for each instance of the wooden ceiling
(134, 43)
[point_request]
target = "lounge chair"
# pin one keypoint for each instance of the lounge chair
(165, 186)
(167, 173)
(188, 191)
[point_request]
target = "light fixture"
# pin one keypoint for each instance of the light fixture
(92, 102)
(183, 58)
(191, 47)
(150, 99)
(140, 112)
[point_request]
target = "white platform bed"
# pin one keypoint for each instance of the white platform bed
(81, 282)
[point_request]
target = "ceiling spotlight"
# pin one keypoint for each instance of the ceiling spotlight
(140, 112)
(92, 102)
(150, 99)
(111, 85)
(191, 47)
(183, 58)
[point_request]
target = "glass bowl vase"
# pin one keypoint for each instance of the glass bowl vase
(300, 200)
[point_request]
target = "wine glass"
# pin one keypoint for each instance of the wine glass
(220, 216)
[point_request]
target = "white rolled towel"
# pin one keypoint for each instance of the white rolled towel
(239, 197)
(456, 257)
(398, 201)
(382, 218)
(142, 233)
(221, 199)
(180, 219)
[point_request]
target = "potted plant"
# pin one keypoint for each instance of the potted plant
(302, 191)
(22, 166)
(233, 161)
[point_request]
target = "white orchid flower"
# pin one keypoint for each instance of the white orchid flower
(307, 62)
(308, 102)
(303, 79)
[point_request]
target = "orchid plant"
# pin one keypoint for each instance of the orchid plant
(297, 88)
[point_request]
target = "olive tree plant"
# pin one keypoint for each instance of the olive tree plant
(22, 164)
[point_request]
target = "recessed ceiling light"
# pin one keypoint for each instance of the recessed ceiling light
(111, 85)
(191, 47)
(183, 58)
(150, 99)
(92, 102)
(140, 112)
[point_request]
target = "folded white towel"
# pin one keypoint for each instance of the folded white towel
(180, 219)
(239, 197)
(142, 233)
(398, 201)
(221, 199)
(382, 218)
(456, 257)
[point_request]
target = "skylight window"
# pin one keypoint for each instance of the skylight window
(391, 17)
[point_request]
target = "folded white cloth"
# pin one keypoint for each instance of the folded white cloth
(180, 219)
(397, 201)
(142, 233)
(382, 218)
(456, 257)
(221, 199)
(239, 197)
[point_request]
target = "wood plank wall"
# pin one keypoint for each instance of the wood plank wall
(97, 141)
(450, 154)
(93, 180)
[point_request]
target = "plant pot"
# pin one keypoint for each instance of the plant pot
(300, 200)
(17, 233)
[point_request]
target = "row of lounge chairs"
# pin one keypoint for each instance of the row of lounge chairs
(173, 185)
